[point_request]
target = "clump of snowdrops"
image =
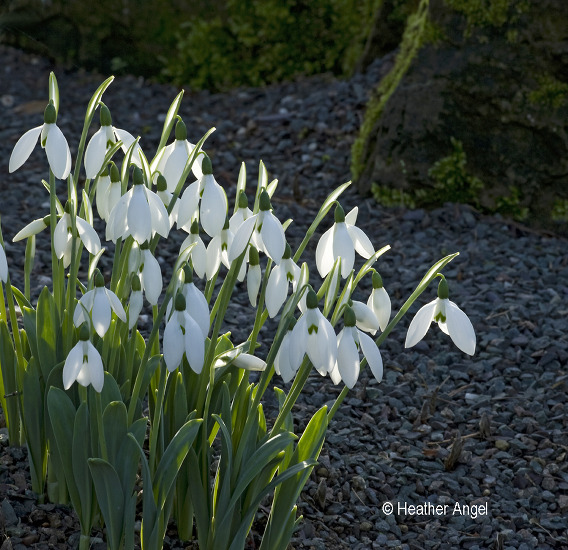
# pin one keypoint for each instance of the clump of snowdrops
(106, 410)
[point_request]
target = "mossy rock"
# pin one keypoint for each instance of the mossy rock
(501, 91)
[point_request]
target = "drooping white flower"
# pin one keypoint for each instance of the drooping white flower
(347, 366)
(242, 213)
(84, 364)
(450, 318)
(135, 303)
(214, 205)
(108, 191)
(365, 318)
(139, 213)
(282, 365)
(218, 251)
(188, 210)
(150, 275)
(379, 301)
(33, 228)
(99, 303)
(63, 238)
(51, 139)
(3, 265)
(198, 254)
(175, 156)
(166, 197)
(277, 288)
(183, 335)
(263, 230)
(342, 240)
(103, 139)
(254, 276)
(313, 336)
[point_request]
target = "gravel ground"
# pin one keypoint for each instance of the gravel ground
(489, 432)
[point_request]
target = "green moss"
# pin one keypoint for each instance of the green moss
(551, 93)
(388, 196)
(560, 210)
(411, 42)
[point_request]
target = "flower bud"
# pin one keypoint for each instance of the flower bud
(206, 167)
(180, 302)
(106, 119)
(181, 130)
(349, 317)
(339, 214)
(137, 176)
(84, 332)
(162, 183)
(50, 114)
(443, 291)
(377, 280)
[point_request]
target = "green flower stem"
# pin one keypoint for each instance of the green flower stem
(209, 287)
(58, 283)
(115, 263)
(84, 542)
(72, 282)
(28, 265)
(156, 421)
(261, 311)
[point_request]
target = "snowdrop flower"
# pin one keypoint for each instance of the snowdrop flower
(99, 303)
(282, 365)
(63, 240)
(380, 302)
(102, 140)
(250, 362)
(139, 213)
(347, 366)
(450, 318)
(342, 240)
(254, 276)
(33, 228)
(195, 302)
(51, 139)
(175, 156)
(188, 209)
(166, 197)
(218, 251)
(150, 275)
(277, 288)
(263, 230)
(242, 213)
(182, 336)
(3, 265)
(108, 191)
(365, 318)
(313, 336)
(135, 303)
(198, 254)
(84, 364)
(213, 206)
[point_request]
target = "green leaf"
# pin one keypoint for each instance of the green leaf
(169, 120)
(367, 266)
(126, 163)
(54, 91)
(94, 260)
(81, 449)
(9, 396)
(47, 332)
(110, 498)
(241, 184)
(95, 99)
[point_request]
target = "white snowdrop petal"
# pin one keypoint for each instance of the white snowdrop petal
(58, 154)
(282, 364)
(460, 328)
(188, 205)
(95, 153)
(85, 303)
(139, 216)
(197, 163)
(365, 317)
(159, 214)
(324, 253)
(73, 365)
(420, 324)
(348, 358)
(134, 308)
(197, 307)
(199, 258)
(33, 228)
(88, 235)
(96, 369)
(61, 236)
(351, 217)
(372, 354)
(3, 265)
(242, 238)
(117, 224)
(173, 343)
(298, 343)
(272, 234)
(276, 290)
(194, 344)
(127, 140)
(214, 205)
(213, 256)
(23, 148)
(151, 278)
(330, 340)
(115, 304)
(101, 313)
(343, 247)
(254, 276)
(249, 362)
(361, 242)
(175, 164)
(380, 302)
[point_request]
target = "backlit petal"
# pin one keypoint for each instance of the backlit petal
(213, 256)
(242, 237)
(343, 246)
(23, 148)
(159, 214)
(365, 317)
(134, 307)
(73, 365)
(324, 253)
(194, 344)
(372, 354)
(197, 307)
(361, 242)
(276, 290)
(85, 303)
(95, 366)
(175, 164)
(61, 236)
(115, 304)
(348, 358)
(88, 235)
(254, 276)
(151, 278)
(188, 205)
(95, 153)
(58, 154)
(139, 216)
(101, 313)
(351, 217)
(173, 344)
(3, 265)
(380, 302)
(460, 328)
(420, 324)
(213, 209)
(33, 228)
(272, 234)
